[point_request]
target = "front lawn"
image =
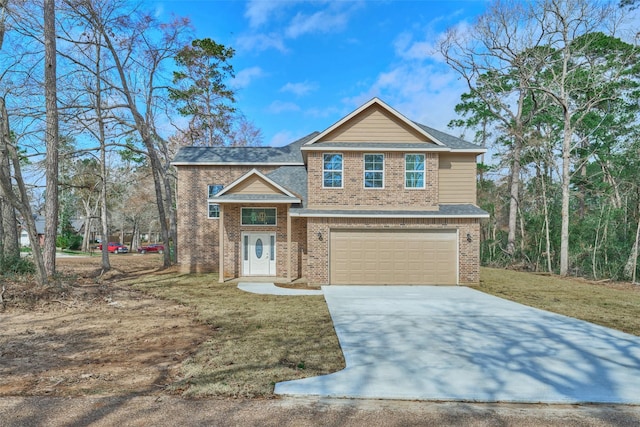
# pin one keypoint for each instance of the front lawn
(615, 305)
(258, 340)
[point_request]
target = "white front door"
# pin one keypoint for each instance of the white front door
(259, 254)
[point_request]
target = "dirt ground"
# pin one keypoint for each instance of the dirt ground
(90, 335)
(92, 351)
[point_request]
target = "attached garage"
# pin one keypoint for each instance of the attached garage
(393, 257)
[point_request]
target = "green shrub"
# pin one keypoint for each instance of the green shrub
(18, 265)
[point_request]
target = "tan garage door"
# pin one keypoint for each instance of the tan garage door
(393, 257)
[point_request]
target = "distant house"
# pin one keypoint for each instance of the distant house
(374, 199)
(24, 233)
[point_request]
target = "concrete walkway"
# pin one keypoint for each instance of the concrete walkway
(458, 344)
(271, 289)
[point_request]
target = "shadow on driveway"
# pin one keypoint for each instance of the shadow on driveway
(459, 344)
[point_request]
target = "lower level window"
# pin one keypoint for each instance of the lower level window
(214, 210)
(259, 216)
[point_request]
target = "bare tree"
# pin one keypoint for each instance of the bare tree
(51, 138)
(492, 58)
(138, 46)
(21, 200)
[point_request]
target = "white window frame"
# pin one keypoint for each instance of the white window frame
(333, 170)
(210, 193)
(364, 173)
(209, 205)
(423, 171)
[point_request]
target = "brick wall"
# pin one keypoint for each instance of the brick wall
(318, 257)
(197, 233)
(353, 195)
(233, 254)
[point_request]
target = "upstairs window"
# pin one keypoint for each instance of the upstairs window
(414, 171)
(214, 208)
(214, 189)
(332, 170)
(373, 170)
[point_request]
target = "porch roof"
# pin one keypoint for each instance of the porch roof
(444, 211)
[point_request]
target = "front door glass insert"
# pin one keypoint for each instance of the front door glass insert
(259, 248)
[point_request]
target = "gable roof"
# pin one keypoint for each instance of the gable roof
(434, 140)
(287, 155)
(282, 195)
(374, 102)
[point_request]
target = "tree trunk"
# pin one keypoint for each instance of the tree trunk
(9, 243)
(632, 263)
(51, 138)
(564, 214)
(514, 198)
(19, 202)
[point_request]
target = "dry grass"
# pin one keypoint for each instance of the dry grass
(259, 339)
(615, 305)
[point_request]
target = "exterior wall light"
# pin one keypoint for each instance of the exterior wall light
(319, 235)
(469, 237)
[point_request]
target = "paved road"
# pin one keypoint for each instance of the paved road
(455, 343)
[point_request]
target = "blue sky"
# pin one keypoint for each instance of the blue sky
(302, 65)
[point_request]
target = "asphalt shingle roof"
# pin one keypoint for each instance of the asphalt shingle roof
(260, 155)
(449, 140)
(293, 178)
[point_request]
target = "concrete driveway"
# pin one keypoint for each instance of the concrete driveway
(455, 343)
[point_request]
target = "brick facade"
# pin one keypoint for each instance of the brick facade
(370, 126)
(233, 241)
(198, 241)
(354, 195)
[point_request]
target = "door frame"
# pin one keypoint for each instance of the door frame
(248, 248)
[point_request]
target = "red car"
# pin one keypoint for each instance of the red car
(115, 248)
(155, 247)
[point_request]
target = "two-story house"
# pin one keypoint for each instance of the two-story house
(375, 199)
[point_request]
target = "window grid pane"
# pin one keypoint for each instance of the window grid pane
(374, 170)
(214, 210)
(414, 170)
(332, 170)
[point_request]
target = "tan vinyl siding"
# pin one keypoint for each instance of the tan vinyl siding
(254, 185)
(374, 125)
(457, 178)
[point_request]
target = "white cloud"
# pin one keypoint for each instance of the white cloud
(318, 22)
(329, 16)
(299, 89)
(260, 42)
(424, 92)
(245, 77)
(259, 11)
(278, 107)
(281, 138)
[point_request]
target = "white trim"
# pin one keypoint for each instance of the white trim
(330, 170)
(246, 265)
(372, 147)
(364, 171)
(209, 203)
(356, 215)
(258, 174)
(424, 172)
(382, 104)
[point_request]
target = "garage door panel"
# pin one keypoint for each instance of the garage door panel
(393, 257)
